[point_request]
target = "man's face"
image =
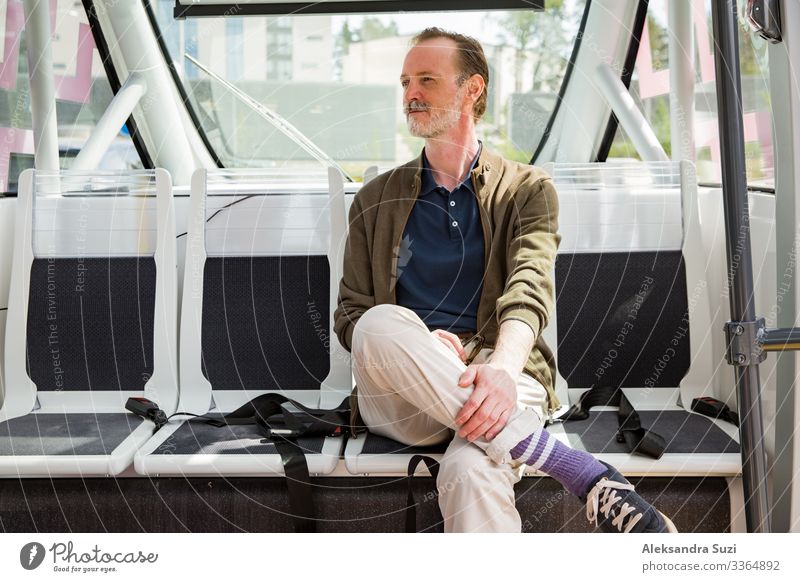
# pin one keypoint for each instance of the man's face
(432, 99)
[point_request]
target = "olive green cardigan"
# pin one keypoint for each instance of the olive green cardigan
(519, 215)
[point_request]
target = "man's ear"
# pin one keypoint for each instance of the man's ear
(475, 86)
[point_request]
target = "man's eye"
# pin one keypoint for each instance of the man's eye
(427, 79)
(404, 84)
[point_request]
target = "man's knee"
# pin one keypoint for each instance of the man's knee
(379, 324)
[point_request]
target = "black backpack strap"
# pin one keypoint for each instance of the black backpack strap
(411, 504)
(636, 438)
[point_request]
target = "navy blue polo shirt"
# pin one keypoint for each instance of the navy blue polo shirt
(440, 266)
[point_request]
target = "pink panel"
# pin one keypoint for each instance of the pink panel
(651, 83)
(757, 128)
(12, 140)
(704, 52)
(75, 88)
(15, 17)
(654, 83)
(78, 88)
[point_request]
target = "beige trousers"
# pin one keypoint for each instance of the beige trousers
(408, 391)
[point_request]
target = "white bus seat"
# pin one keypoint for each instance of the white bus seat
(635, 312)
(92, 320)
(255, 318)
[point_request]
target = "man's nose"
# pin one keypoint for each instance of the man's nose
(412, 91)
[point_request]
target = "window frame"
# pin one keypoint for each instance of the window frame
(255, 8)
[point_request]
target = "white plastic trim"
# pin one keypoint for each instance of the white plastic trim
(370, 174)
(699, 378)
(229, 465)
(195, 392)
(338, 384)
(20, 391)
(162, 387)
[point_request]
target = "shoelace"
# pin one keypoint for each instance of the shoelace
(602, 499)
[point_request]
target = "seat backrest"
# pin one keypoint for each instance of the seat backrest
(630, 277)
(93, 296)
(257, 287)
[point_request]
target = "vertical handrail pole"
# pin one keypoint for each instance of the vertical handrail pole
(740, 266)
(43, 92)
(681, 79)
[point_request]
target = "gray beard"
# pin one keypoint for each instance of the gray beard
(441, 121)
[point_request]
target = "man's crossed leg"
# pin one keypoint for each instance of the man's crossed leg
(408, 391)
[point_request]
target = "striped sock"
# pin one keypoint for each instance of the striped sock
(576, 470)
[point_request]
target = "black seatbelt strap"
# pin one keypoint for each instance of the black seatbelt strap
(298, 485)
(310, 421)
(282, 434)
(411, 504)
(631, 432)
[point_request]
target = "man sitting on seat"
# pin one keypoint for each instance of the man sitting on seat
(458, 246)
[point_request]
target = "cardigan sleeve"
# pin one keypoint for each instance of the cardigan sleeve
(533, 241)
(356, 293)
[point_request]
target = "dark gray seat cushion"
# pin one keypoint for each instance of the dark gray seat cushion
(378, 445)
(66, 434)
(196, 437)
(685, 433)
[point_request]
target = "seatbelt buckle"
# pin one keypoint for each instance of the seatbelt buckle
(146, 409)
(712, 407)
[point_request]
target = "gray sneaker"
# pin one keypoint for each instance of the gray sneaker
(614, 506)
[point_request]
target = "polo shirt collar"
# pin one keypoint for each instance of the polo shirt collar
(429, 184)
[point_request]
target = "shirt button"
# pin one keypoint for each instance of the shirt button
(452, 203)
(455, 223)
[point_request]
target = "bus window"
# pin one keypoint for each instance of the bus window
(650, 88)
(336, 79)
(82, 93)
